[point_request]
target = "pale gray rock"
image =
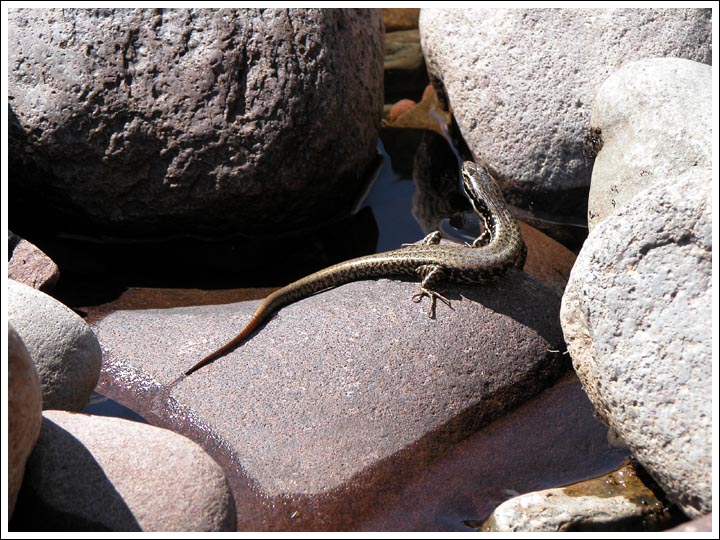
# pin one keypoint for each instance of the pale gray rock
(64, 349)
(29, 265)
(521, 82)
(655, 120)
(157, 121)
(617, 501)
(636, 318)
(24, 410)
(100, 473)
(337, 390)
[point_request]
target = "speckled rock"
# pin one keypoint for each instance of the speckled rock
(617, 501)
(635, 316)
(339, 388)
(156, 121)
(98, 473)
(655, 120)
(29, 265)
(65, 351)
(521, 82)
(24, 411)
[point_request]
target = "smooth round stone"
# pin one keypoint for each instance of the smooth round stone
(64, 349)
(24, 410)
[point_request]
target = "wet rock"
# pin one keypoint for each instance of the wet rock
(405, 73)
(618, 501)
(338, 389)
(635, 316)
(400, 18)
(24, 411)
(561, 442)
(65, 351)
(654, 117)
(701, 524)
(521, 82)
(97, 473)
(29, 265)
(144, 121)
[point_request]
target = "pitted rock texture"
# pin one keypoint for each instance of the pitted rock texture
(636, 317)
(521, 82)
(64, 349)
(24, 410)
(655, 120)
(337, 389)
(29, 265)
(154, 121)
(98, 473)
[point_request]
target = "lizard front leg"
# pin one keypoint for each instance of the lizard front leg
(431, 275)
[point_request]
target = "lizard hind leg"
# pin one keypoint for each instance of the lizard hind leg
(431, 275)
(431, 239)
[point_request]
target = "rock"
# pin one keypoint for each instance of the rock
(97, 473)
(617, 501)
(701, 524)
(400, 18)
(405, 73)
(24, 412)
(29, 265)
(561, 442)
(655, 120)
(150, 122)
(65, 351)
(521, 82)
(635, 318)
(338, 389)
(400, 108)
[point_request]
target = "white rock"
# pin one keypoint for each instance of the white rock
(636, 318)
(65, 350)
(102, 473)
(521, 81)
(655, 120)
(24, 412)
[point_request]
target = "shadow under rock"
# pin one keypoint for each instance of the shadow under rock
(66, 489)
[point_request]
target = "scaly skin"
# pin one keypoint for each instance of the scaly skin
(497, 249)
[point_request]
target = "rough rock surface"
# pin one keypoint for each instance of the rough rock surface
(98, 473)
(29, 265)
(152, 121)
(24, 410)
(65, 350)
(636, 317)
(338, 388)
(521, 83)
(617, 501)
(655, 120)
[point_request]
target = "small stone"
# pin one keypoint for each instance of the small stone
(64, 349)
(29, 265)
(654, 117)
(400, 108)
(618, 501)
(635, 317)
(24, 412)
(98, 473)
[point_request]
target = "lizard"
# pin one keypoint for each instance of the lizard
(498, 248)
